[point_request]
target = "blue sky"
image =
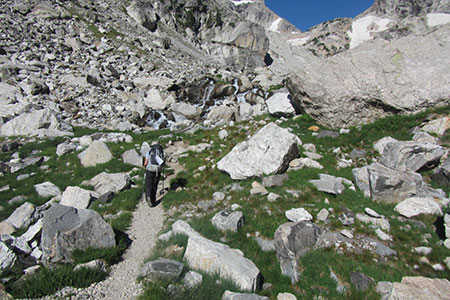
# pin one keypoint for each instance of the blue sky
(305, 14)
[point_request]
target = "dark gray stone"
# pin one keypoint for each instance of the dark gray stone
(360, 281)
(65, 229)
(275, 180)
(442, 174)
(161, 269)
(106, 197)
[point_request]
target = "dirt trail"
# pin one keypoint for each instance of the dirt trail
(143, 233)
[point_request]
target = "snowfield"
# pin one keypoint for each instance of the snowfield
(239, 2)
(363, 28)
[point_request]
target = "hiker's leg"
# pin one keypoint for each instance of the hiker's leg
(148, 184)
(153, 188)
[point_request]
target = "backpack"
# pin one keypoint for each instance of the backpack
(155, 157)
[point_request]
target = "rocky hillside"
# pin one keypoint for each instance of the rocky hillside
(286, 147)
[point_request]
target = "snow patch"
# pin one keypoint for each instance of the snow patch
(363, 29)
(239, 2)
(299, 41)
(275, 24)
(437, 19)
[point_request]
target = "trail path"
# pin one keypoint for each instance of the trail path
(143, 233)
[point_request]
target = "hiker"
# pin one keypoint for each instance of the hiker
(153, 163)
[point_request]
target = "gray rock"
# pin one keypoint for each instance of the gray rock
(347, 217)
(7, 257)
(106, 197)
(32, 231)
(383, 250)
(442, 174)
(272, 197)
(423, 137)
(96, 153)
(323, 215)
(65, 148)
(423, 250)
(368, 82)
(411, 156)
(384, 288)
(226, 220)
(227, 295)
(415, 206)
(161, 269)
(98, 264)
(132, 157)
(330, 184)
(37, 123)
(65, 229)
(383, 143)
(187, 110)
(387, 185)
(382, 223)
(218, 196)
(306, 162)
(47, 189)
(223, 134)
(361, 282)
(22, 216)
(279, 105)
(382, 235)
(222, 114)
(286, 296)
(293, 240)
(298, 215)
(258, 188)
(76, 197)
(371, 213)
(192, 279)
(328, 134)
(257, 156)
(340, 287)
(217, 258)
(312, 155)
(275, 180)
(420, 288)
(438, 126)
(109, 182)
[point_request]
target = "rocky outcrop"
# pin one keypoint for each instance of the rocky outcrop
(268, 151)
(369, 81)
(66, 228)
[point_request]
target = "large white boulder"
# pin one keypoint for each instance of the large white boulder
(415, 206)
(267, 152)
(280, 105)
(96, 153)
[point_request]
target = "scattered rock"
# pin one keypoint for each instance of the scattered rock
(47, 189)
(279, 105)
(22, 216)
(96, 153)
(192, 279)
(360, 281)
(420, 288)
(241, 296)
(331, 184)
(298, 215)
(76, 197)
(415, 206)
(275, 180)
(132, 157)
(226, 220)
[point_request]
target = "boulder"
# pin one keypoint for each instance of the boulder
(76, 197)
(96, 153)
(161, 269)
(221, 113)
(387, 185)
(227, 220)
(382, 223)
(37, 123)
(298, 215)
(415, 206)
(65, 229)
(268, 151)
(374, 80)
(216, 258)
(47, 189)
(154, 100)
(442, 174)
(420, 288)
(64, 148)
(186, 109)
(22, 216)
(411, 156)
(293, 240)
(109, 182)
(132, 157)
(279, 105)
(382, 144)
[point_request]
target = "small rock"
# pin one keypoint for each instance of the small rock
(298, 215)
(370, 212)
(272, 197)
(286, 296)
(258, 188)
(347, 233)
(361, 281)
(192, 279)
(382, 235)
(423, 250)
(323, 215)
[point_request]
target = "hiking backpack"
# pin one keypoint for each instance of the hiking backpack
(155, 159)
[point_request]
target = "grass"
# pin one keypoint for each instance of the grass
(261, 217)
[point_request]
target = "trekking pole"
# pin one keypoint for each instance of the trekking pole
(162, 175)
